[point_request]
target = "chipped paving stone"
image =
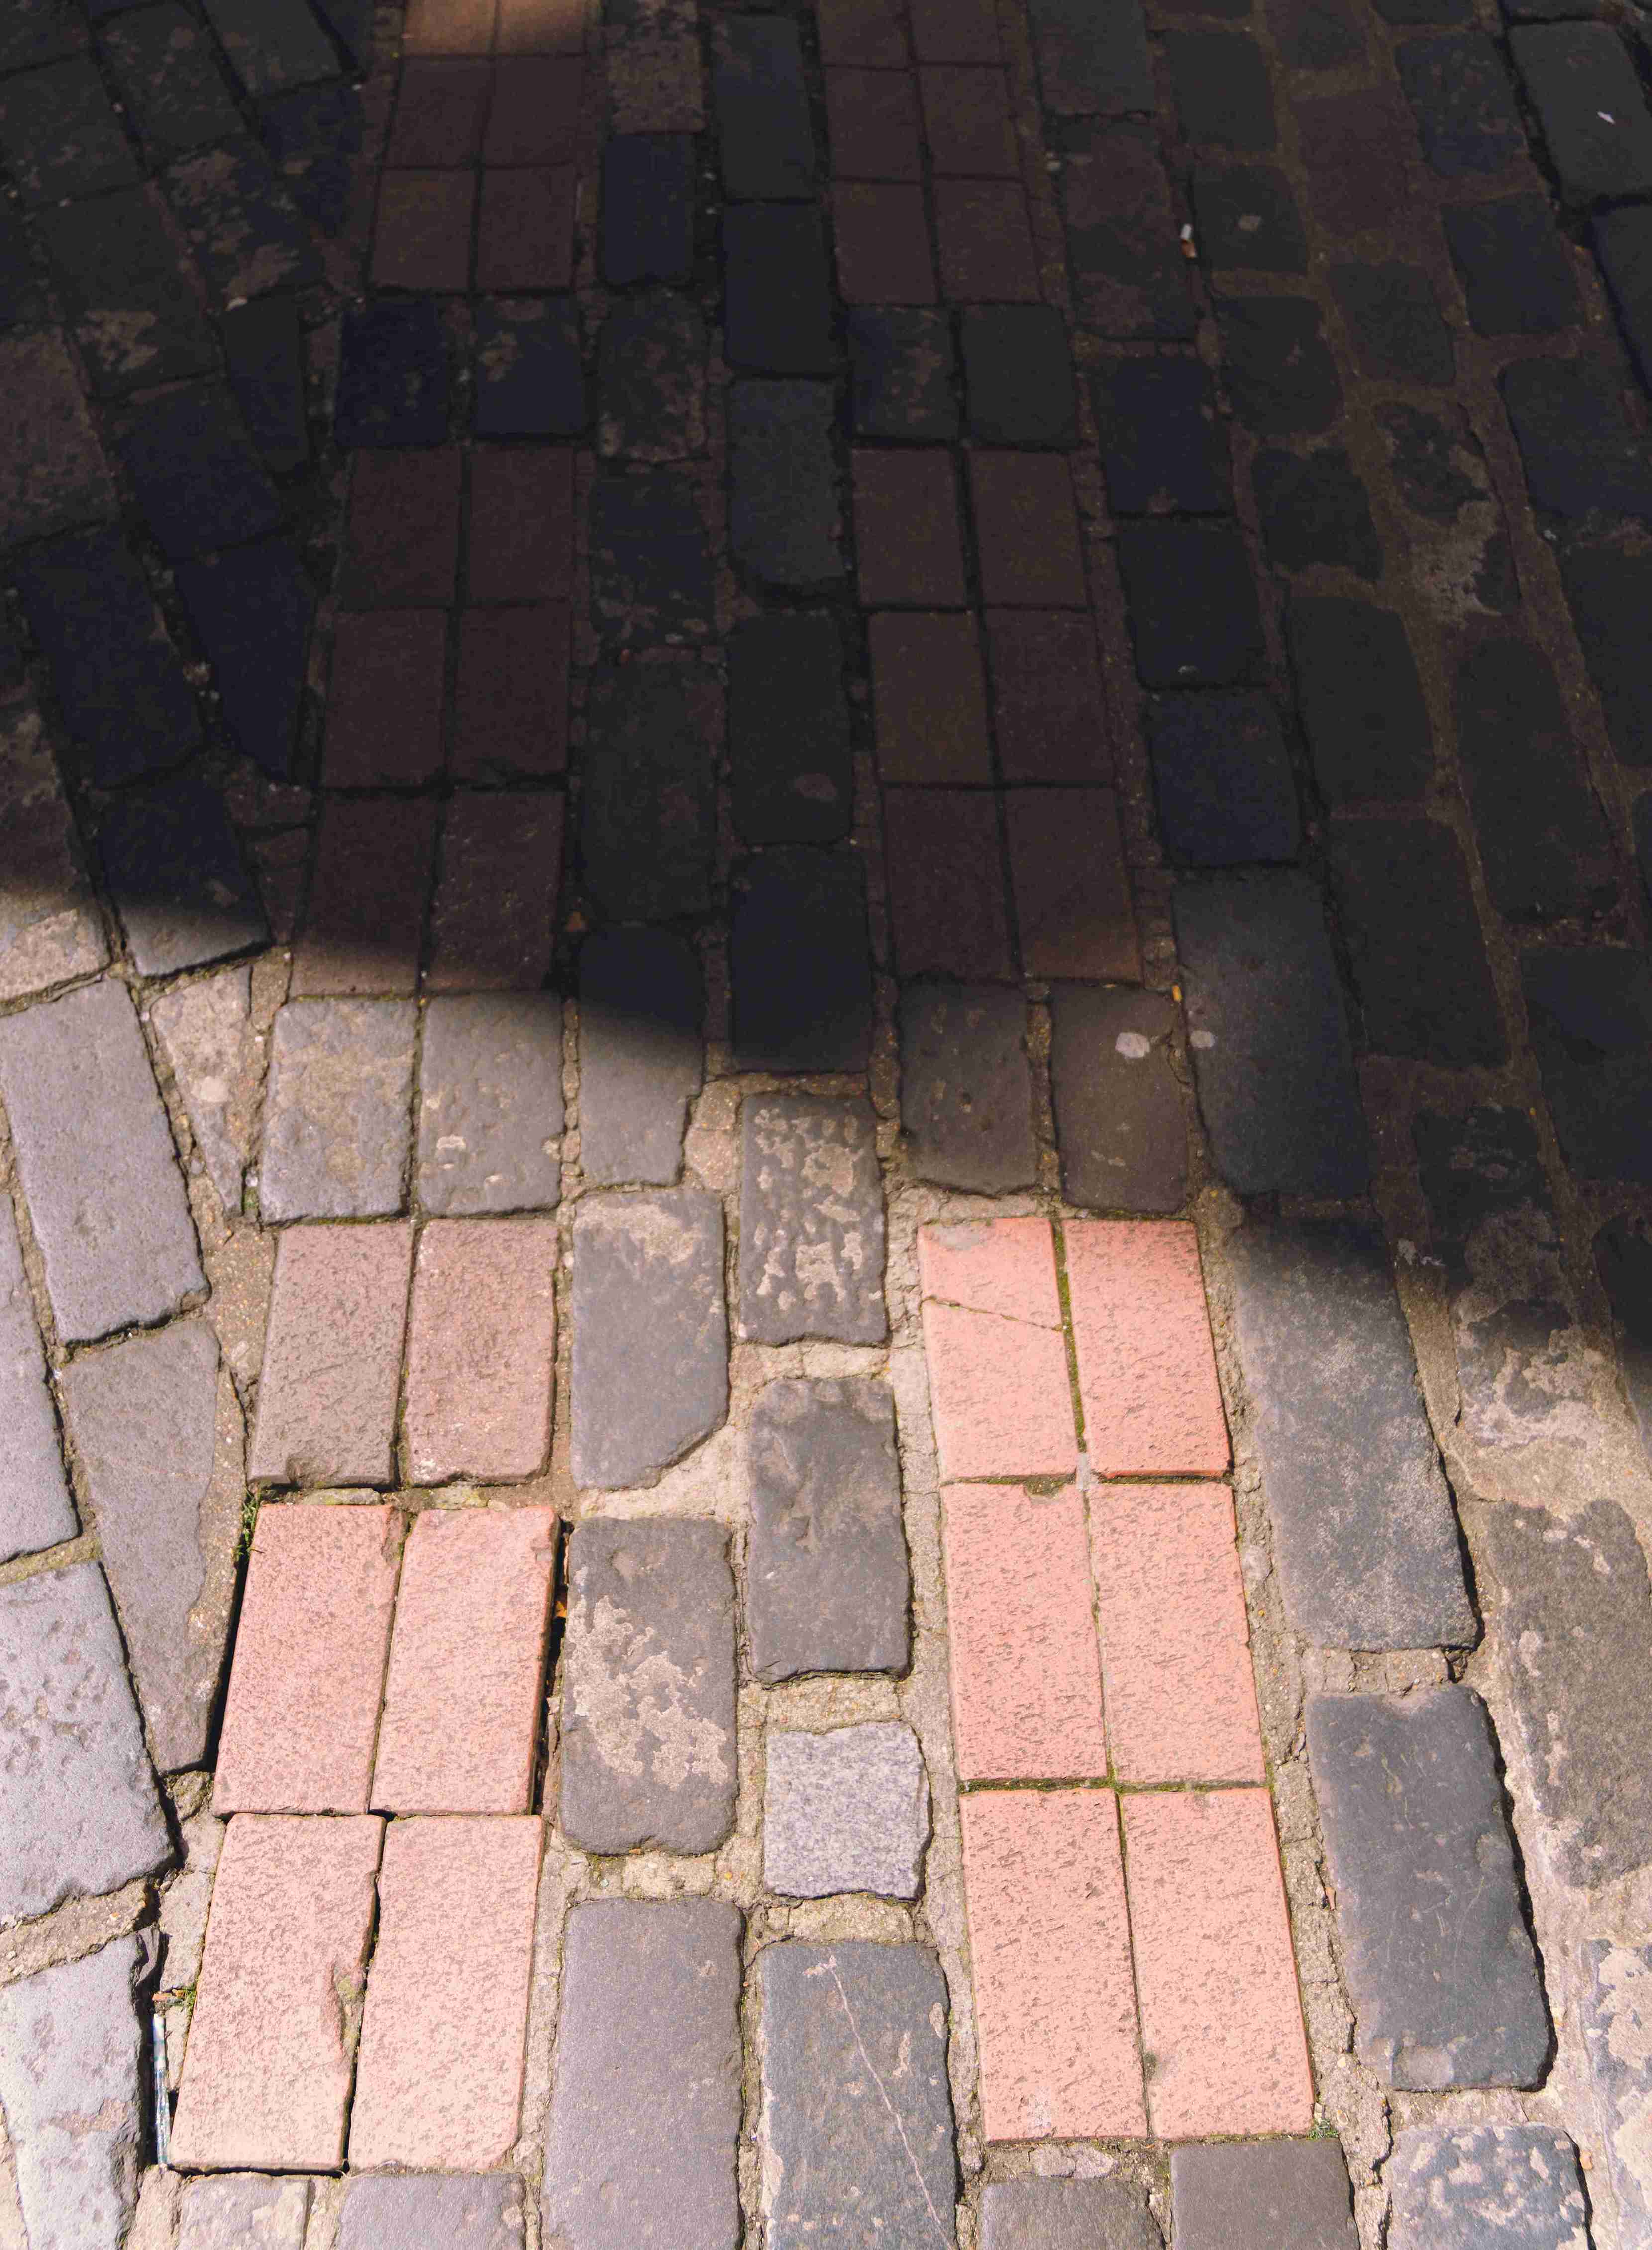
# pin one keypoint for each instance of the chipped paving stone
(72, 2065)
(1518, 2185)
(811, 1221)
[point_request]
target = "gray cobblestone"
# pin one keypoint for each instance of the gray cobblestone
(650, 1333)
(811, 1254)
(649, 815)
(640, 1063)
(459, 2213)
(49, 927)
(1516, 2185)
(491, 1103)
(1065, 2214)
(206, 1028)
(1617, 2034)
(71, 2076)
(35, 1510)
(1120, 1127)
(1268, 2195)
(784, 518)
(243, 2211)
(338, 1118)
(966, 1087)
(845, 1812)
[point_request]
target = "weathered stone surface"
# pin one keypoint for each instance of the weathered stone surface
(105, 1194)
(244, 2211)
(828, 1582)
(845, 1812)
(1439, 1964)
(1515, 2184)
(765, 138)
(811, 1253)
(78, 1810)
(166, 1492)
(648, 1719)
(177, 873)
(481, 2212)
(205, 1027)
(338, 1119)
(1065, 2214)
(51, 470)
(1590, 1014)
(649, 813)
(651, 378)
(49, 927)
(966, 1087)
(1364, 1534)
(641, 1003)
(650, 1334)
(72, 2056)
(650, 2001)
(1617, 2034)
(856, 2129)
(784, 518)
(491, 1103)
(1460, 559)
(35, 1510)
(1119, 1127)
(1264, 2195)
(332, 1356)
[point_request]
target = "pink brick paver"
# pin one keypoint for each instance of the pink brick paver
(267, 2072)
(481, 1349)
(1025, 1678)
(1053, 1990)
(1175, 1653)
(1219, 2013)
(1002, 1266)
(997, 1361)
(438, 2083)
(467, 1661)
(303, 1706)
(332, 1356)
(1147, 1371)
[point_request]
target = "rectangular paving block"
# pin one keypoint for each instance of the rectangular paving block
(35, 1510)
(811, 1253)
(1364, 1534)
(1032, 2214)
(648, 816)
(765, 141)
(1120, 1127)
(477, 2210)
(50, 929)
(1454, 2190)
(785, 516)
(1050, 1949)
(1146, 1366)
(267, 2070)
(966, 1088)
(997, 1361)
(1175, 1643)
(1071, 886)
(1444, 1981)
(52, 474)
(493, 923)
(338, 1114)
(801, 967)
(641, 1005)
(789, 737)
(1026, 1675)
(332, 1356)
(100, 1173)
(172, 862)
(828, 1581)
(1263, 2195)
(847, 1811)
(467, 1661)
(481, 1350)
(236, 2208)
(369, 887)
(438, 2080)
(490, 1116)
(648, 1670)
(1220, 2015)
(650, 2001)
(305, 1687)
(73, 2062)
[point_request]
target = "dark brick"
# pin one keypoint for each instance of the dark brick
(1407, 13)
(1119, 1127)
(1026, 536)
(765, 141)
(1192, 604)
(779, 308)
(1591, 1017)
(1450, 2186)
(198, 482)
(1623, 245)
(1222, 774)
(791, 775)
(493, 923)
(784, 517)
(273, 45)
(929, 697)
(1314, 510)
(1162, 447)
(175, 868)
(1641, 816)
(882, 234)
(811, 1221)
(1460, 95)
(647, 208)
(966, 1087)
(525, 228)
(1222, 88)
(1263, 2195)
(801, 969)
(1515, 265)
(529, 379)
(117, 680)
(533, 117)
(909, 545)
(1018, 376)
(403, 530)
(648, 814)
(264, 352)
(1278, 369)
(364, 917)
(650, 568)
(985, 236)
(313, 134)
(1071, 887)
(1047, 697)
(1129, 278)
(242, 224)
(511, 695)
(1610, 588)
(1246, 217)
(1315, 34)
(136, 319)
(651, 378)
(642, 1000)
(1580, 452)
(1360, 699)
(1359, 151)
(22, 298)
(169, 79)
(1542, 838)
(944, 864)
(966, 121)
(1091, 64)
(53, 476)
(252, 611)
(872, 117)
(1460, 552)
(955, 30)
(384, 700)
(1582, 83)
(1624, 1261)
(1413, 939)
(903, 374)
(393, 376)
(520, 542)
(440, 107)
(1398, 327)
(870, 32)
(59, 135)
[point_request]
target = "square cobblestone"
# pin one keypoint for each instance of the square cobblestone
(263, 355)
(784, 518)
(766, 140)
(651, 378)
(1162, 446)
(1191, 602)
(529, 379)
(72, 2076)
(1583, 85)
(50, 929)
(1591, 1025)
(172, 861)
(1543, 841)
(483, 2210)
(1606, 587)
(1018, 376)
(60, 135)
(650, 567)
(800, 963)
(1419, 959)
(845, 1812)
(1315, 510)
(135, 317)
(1061, 2214)
(491, 1103)
(1221, 91)
(35, 1510)
(811, 1260)
(1222, 778)
(1462, 102)
(337, 1127)
(1270, 2195)
(1515, 265)
(239, 2207)
(1090, 65)
(1247, 217)
(1129, 277)
(252, 610)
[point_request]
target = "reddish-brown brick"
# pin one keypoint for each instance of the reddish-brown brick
(384, 706)
(1005, 1266)
(865, 31)
(521, 537)
(1050, 1950)
(524, 235)
(955, 31)
(423, 237)
(541, 27)
(907, 540)
(929, 698)
(303, 1706)
(966, 121)
(873, 119)
(1026, 1680)
(494, 921)
(331, 1354)
(1147, 1371)
(944, 863)
(883, 245)
(467, 1662)
(481, 1348)
(534, 113)
(404, 533)
(1026, 530)
(367, 895)
(510, 704)
(1217, 1985)
(1071, 890)
(1047, 696)
(986, 242)
(439, 115)
(448, 27)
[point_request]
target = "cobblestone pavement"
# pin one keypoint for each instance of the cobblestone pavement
(826, 1048)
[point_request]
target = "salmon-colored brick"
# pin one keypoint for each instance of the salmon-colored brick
(1147, 1371)
(1175, 1649)
(439, 115)
(1220, 2019)
(266, 2074)
(1000, 1394)
(438, 2084)
(332, 1356)
(1025, 1678)
(1003, 1265)
(303, 1706)
(467, 1661)
(510, 713)
(481, 1348)
(986, 254)
(955, 31)
(866, 32)
(403, 548)
(1053, 1993)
